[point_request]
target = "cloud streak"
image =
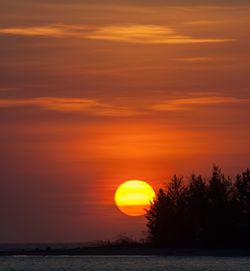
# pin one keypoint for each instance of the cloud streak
(149, 34)
(98, 108)
(137, 34)
(89, 106)
(54, 31)
(190, 103)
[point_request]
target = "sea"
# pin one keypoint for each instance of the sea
(123, 263)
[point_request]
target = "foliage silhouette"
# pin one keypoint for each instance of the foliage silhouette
(213, 212)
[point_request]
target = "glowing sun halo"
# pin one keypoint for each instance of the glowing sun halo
(132, 197)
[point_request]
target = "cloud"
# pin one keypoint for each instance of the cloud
(55, 31)
(98, 108)
(89, 106)
(190, 103)
(142, 34)
(203, 22)
(152, 34)
(194, 59)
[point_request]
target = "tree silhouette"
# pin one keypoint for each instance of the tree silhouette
(242, 201)
(213, 212)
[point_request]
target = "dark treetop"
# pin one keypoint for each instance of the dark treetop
(213, 212)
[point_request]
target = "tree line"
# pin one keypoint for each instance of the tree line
(202, 212)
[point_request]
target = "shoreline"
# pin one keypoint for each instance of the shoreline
(114, 251)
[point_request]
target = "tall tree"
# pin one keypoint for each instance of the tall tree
(212, 212)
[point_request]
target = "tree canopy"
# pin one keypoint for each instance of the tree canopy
(203, 212)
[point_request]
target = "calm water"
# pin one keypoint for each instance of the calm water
(123, 263)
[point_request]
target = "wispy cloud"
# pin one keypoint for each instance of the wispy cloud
(99, 108)
(55, 31)
(203, 22)
(89, 106)
(151, 34)
(194, 59)
(144, 34)
(190, 103)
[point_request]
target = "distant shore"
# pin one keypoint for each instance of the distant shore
(136, 251)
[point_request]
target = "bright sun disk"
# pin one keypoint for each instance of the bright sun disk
(132, 197)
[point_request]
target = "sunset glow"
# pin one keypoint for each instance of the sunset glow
(97, 92)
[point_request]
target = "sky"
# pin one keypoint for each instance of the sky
(94, 93)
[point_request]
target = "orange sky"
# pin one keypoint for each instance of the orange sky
(94, 93)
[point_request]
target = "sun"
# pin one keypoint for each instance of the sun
(132, 197)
